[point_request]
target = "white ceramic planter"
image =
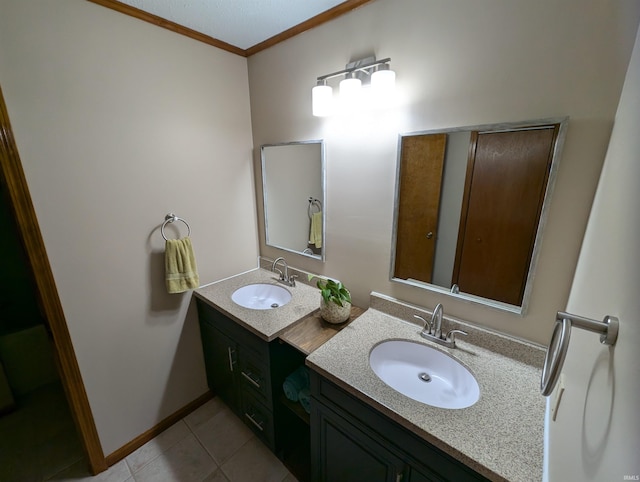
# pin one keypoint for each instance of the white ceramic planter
(332, 313)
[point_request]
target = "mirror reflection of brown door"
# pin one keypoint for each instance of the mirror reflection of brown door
(504, 191)
(421, 164)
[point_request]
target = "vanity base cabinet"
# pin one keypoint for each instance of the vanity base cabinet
(351, 441)
(247, 373)
(238, 366)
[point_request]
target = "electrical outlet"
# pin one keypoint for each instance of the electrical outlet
(557, 397)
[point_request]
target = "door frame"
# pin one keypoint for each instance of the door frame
(20, 203)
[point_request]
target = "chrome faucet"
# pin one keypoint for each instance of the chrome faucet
(284, 275)
(432, 329)
(436, 320)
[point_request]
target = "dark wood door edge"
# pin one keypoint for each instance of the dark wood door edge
(12, 176)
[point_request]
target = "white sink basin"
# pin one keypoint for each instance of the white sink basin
(424, 374)
(261, 296)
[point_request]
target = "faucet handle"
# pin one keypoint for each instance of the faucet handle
(427, 324)
(292, 280)
(451, 336)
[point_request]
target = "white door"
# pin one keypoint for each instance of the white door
(596, 435)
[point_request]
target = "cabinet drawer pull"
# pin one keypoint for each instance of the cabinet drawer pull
(253, 421)
(250, 378)
(231, 362)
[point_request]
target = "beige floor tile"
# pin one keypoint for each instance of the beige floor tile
(204, 413)
(79, 472)
(153, 448)
(254, 462)
(217, 476)
(223, 435)
(186, 461)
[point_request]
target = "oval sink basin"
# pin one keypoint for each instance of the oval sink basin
(424, 374)
(261, 296)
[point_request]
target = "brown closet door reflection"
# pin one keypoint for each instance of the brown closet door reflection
(422, 159)
(504, 191)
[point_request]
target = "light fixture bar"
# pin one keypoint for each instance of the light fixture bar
(363, 68)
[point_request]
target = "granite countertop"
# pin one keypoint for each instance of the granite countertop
(501, 436)
(267, 324)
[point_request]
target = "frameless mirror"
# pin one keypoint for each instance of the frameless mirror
(294, 194)
(470, 207)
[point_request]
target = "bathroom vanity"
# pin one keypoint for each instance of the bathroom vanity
(359, 427)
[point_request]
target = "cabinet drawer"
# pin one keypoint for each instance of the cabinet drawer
(258, 418)
(254, 377)
(231, 328)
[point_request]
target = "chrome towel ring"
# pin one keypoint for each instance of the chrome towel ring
(313, 202)
(557, 351)
(172, 218)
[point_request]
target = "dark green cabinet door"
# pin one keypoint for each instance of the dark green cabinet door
(416, 476)
(220, 358)
(347, 454)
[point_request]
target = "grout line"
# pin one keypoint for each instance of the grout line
(133, 473)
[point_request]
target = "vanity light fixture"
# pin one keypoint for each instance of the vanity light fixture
(368, 70)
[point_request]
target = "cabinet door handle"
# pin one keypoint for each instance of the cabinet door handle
(253, 421)
(251, 380)
(231, 362)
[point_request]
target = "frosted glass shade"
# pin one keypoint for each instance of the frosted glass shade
(383, 81)
(350, 88)
(321, 100)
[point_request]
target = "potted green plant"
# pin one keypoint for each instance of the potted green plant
(335, 301)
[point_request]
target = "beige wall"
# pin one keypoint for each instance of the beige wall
(119, 122)
(457, 63)
(596, 435)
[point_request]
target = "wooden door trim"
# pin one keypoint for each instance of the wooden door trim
(12, 175)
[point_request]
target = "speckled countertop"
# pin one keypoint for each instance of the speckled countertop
(501, 436)
(267, 324)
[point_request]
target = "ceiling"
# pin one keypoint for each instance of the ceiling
(243, 27)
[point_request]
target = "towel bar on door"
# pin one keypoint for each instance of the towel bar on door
(557, 351)
(172, 218)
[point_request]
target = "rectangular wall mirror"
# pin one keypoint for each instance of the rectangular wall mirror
(293, 185)
(470, 207)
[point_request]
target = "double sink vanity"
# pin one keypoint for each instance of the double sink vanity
(386, 404)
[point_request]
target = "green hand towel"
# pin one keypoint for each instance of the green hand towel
(180, 266)
(315, 232)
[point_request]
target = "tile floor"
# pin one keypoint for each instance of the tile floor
(209, 445)
(38, 439)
